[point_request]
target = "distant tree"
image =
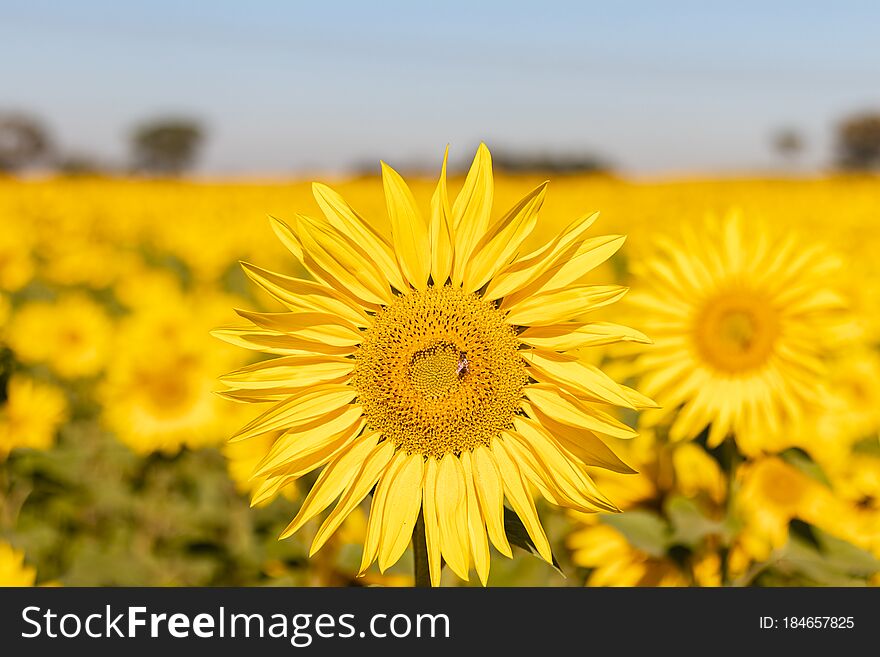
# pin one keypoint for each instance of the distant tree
(544, 162)
(78, 165)
(23, 141)
(858, 142)
(166, 146)
(788, 143)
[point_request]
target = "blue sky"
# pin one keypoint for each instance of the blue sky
(657, 87)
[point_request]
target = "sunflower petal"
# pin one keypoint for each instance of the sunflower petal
(582, 444)
(302, 370)
(530, 267)
(451, 503)
(342, 217)
(472, 210)
(520, 499)
(432, 527)
(583, 258)
(293, 445)
(374, 465)
(476, 528)
(561, 305)
(300, 409)
(401, 508)
(490, 492)
(579, 378)
(441, 229)
(408, 229)
(501, 243)
(331, 482)
(339, 259)
(568, 409)
(318, 327)
(565, 337)
(298, 294)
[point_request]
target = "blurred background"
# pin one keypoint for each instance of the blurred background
(143, 144)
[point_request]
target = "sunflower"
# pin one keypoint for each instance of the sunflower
(31, 414)
(13, 570)
(742, 324)
(434, 368)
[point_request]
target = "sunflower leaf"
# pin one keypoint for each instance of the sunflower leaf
(644, 530)
(518, 536)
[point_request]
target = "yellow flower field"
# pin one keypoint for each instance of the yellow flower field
(755, 314)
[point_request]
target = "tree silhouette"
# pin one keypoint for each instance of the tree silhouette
(788, 143)
(23, 141)
(166, 146)
(858, 142)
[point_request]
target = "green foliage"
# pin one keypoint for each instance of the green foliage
(90, 512)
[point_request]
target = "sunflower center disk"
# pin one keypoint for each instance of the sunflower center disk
(736, 332)
(439, 372)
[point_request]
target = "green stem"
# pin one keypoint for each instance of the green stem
(420, 554)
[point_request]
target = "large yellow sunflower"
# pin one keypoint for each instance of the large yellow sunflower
(433, 366)
(742, 323)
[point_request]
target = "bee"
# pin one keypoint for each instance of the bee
(462, 368)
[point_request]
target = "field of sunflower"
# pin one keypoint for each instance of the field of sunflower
(703, 400)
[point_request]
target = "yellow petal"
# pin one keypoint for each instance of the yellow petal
(269, 488)
(571, 479)
(401, 508)
(451, 504)
(292, 446)
(374, 465)
(581, 379)
(490, 491)
(342, 217)
(441, 230)
(374, 528)
(564, 337)
(408, 229)
(502, 242)
(568, 409)
(273, 342)
(581, 258)
(531, 266)
(472, 210)
(520, 499)
(298, 294)
(317, 327)
(340, 260)
(287, 237)
(561, 305)
(582, 444)
(432, 527)
(307, 406)
(332, 481)
(302, 370)
(476, 527)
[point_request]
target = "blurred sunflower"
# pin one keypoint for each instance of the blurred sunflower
(772, 494)
(435, 368)
(31, 414)
(161, 399)
(13, 571)
(614, 562)
(742, 323)
(71, 335)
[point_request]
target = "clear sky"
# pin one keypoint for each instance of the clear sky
(657, 87)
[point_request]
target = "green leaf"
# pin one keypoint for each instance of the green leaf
(801, 460)
(828, 560)
(644, 530)
(518, 536)
(689, 524)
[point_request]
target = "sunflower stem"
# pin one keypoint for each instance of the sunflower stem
(420, 555)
